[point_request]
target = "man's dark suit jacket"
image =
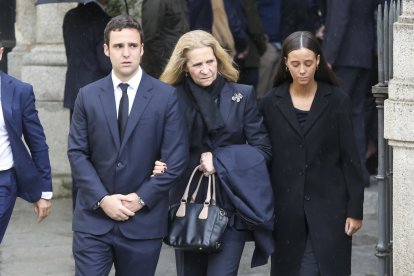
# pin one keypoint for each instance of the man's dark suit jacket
(349, 33)
(83, 34)
(32, 169)
(102, 165)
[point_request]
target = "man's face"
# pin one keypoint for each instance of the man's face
(125, 51)
(1, 52)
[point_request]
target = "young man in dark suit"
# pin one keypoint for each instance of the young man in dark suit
(24, 172)
(120, 215)
(83, 29)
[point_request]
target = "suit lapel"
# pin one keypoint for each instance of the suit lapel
(225, 101)
(107, 96)
(142, 98)
(284, 104)
(319, 104)
(7, 92)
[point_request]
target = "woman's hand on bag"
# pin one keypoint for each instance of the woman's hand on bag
(159, 168)
(352, 226)
(206, 163)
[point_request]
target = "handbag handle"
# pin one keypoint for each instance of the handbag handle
(210, 197)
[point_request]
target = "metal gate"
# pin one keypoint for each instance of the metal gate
(386, 16)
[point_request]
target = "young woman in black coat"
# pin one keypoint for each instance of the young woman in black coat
(315, 171)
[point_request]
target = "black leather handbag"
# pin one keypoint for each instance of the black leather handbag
(197, 226)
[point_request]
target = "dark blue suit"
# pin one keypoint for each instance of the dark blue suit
(238, 167)
(31, 174)
(102, 165)
(348, 46)
(83, 35)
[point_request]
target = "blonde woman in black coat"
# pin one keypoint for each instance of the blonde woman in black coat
(315, 171)
(218, 113)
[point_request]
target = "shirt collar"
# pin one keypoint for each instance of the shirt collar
(134, 81)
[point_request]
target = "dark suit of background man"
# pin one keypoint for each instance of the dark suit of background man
(83, 34)
(22, 173)
(121, 211)
(348, 45)
(7, 34)
(163, 22)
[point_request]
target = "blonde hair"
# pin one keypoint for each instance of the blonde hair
(175, 69)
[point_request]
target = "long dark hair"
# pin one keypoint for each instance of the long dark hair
(307, 40)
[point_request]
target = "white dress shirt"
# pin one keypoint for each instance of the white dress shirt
(133, 82)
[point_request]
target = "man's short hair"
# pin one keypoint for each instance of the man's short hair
(122, 22)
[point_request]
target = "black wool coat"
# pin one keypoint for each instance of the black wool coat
(316, 177)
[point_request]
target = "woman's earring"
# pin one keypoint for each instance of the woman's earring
(186, 74)
(286, 69)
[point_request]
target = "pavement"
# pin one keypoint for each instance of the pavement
(29, 248)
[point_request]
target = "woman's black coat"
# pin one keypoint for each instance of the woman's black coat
(316, 178)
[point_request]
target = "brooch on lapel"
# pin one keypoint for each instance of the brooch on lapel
(237, 97)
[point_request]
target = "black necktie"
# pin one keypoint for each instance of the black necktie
(123, 110)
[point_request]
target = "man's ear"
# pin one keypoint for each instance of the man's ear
(1, 52)
(106, 49)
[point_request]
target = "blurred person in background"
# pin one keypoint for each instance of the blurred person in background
(24, 155)
(349, 47)
(163, 22)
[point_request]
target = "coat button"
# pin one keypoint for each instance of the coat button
(307, 198)
(301, 173)
(119, 164)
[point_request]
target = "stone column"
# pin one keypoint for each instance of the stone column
(25, 36)
(44, 67)
(399, 130)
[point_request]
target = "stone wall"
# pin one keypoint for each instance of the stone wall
(399, 129)
(39, 59)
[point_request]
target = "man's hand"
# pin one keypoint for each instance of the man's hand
(113, 207)
(352, 226)
(42, 209)
(131, 202)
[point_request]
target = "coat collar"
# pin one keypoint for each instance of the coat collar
(225, 100)
(285, 104)
(7, 92)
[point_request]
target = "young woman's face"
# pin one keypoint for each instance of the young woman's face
(202, 66)
(302, 65)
